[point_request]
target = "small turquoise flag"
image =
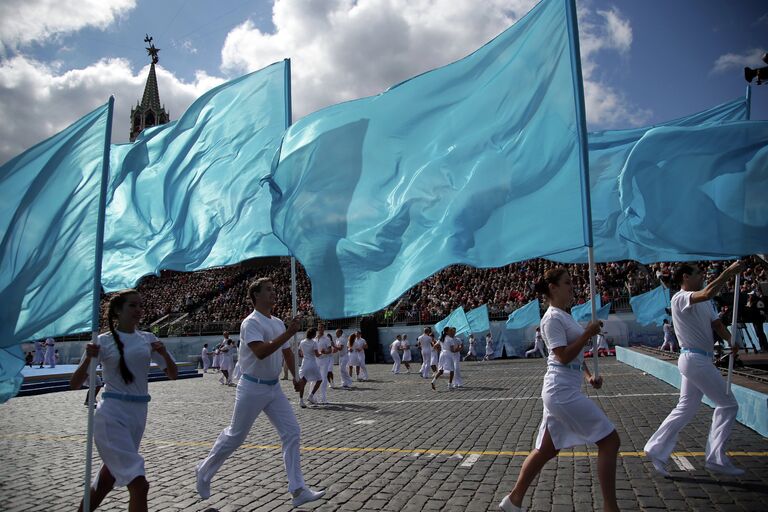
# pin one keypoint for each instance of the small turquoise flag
(583, 312)
(49, 206)
(478, 319)
(608, 152)
(452, 166)
(687, 192)
(187, 195)
(530, 314)
(457, 319)
(650, 307)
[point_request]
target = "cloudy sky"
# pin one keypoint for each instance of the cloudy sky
(644, 61)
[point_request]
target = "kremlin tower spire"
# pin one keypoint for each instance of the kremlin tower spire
(149, 112)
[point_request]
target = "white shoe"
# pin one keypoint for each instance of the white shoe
(305, 495)
(507, 506)
(312, 400)
(302, 404)
(203, 487)
(658, 465)
(724, 469)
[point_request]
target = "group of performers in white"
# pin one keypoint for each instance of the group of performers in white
(570, 418)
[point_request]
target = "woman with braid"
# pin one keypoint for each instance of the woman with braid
(125, 354)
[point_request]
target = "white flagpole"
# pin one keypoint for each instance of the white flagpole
(735, 334)
(96, 306)
(294, 307)
(592, 292)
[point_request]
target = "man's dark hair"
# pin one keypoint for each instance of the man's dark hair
(255, 287)
(680, 270)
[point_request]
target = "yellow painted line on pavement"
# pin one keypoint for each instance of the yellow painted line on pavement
(366, 449)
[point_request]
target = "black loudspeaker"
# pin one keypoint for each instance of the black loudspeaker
(370, 332)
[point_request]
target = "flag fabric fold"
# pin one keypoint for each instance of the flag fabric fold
(478, 319)
(187, 195)
(11, 364)
(650, 308)
(452, 166)
(608, 152)
(697, 192)
(457, 319)
(530, 314)
(49, 199)
(583, 312)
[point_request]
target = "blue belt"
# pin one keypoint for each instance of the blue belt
(696, 351)
(572, 366)
(125, 397)
(259, 381)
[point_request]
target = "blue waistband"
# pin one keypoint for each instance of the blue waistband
(259, 381)
(125, 397)
(696, 351)
(571, 366)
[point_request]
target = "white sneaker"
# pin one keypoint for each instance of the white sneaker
(724, 469)
(203, 487)
(305, 495)
(658, 465)
(312, 400)
(507, 506)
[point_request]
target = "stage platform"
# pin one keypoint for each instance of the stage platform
(38, 381)
(749, 386)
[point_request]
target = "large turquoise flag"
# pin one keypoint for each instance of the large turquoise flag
(687, 192)
(608, 152)
(530, 314)
(187, 195)
(452, 166)
(49, 209)
(457, 319)
(478, 319)
(583, 312)
(11, 364)
(651, 307)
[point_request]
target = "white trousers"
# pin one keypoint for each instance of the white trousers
(206, 363)
(396, 365)
(326, 367)
(457, 370)
(346, 379)
(50, 356)
(700, 377)
(250, 400)
(536, 347)
(426, 358)
(363, 369)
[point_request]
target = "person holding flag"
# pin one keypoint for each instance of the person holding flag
(694, 318)
(570, 418)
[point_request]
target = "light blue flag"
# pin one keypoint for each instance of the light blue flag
(457, 319)
(650, 307)
(583, 312)
(187, 195)
(687, 192)
(49, 198)
(530, 314)
(608, 152)
(452, 166)
(11, 364)
(478, 319)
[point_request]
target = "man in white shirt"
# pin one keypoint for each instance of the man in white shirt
(425, 344)
(694, 318)
(264, 343)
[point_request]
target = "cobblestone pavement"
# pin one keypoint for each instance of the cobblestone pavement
(390, 444)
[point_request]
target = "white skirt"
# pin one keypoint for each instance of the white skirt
(446, 361)
(226, 363)
(311, 372)
(570, 416)
(434, 358)
(118, 427)
(407, 355)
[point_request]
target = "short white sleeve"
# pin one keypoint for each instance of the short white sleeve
(252, 331)
(553, 331)
(684, 299)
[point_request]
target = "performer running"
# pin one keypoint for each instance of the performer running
(538, 345)
(343, 349)
(325, 361)
(694, 318)
(50, 353)
(472, 351)
(425, 344)
(362, 346)
(206, 360)
(310, 366)
(39, 352)
(445, 364)
(457, 380)
(394, 352)
(226, 360)
(406, 357)
(264, 342)
(354, 365)
(669, 335)
(570, 418)
(119, 420)
(488, 347)
(602, 344)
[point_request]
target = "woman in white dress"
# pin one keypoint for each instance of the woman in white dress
(125, 354)
(344, 368)
(310, 366)
(570, 418)
(226, 362)
(446, 361)
(472, 351)
(488, 347)
(405, 345)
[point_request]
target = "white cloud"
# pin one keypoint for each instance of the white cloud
(38, 100)
(343, 49)
(24, 21)
(729, 61)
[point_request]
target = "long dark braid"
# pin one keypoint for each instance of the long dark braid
(116, 303)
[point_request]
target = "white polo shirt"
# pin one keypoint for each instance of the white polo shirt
(257, 327)
(693, 322)
(323, 343)
(560, 329)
